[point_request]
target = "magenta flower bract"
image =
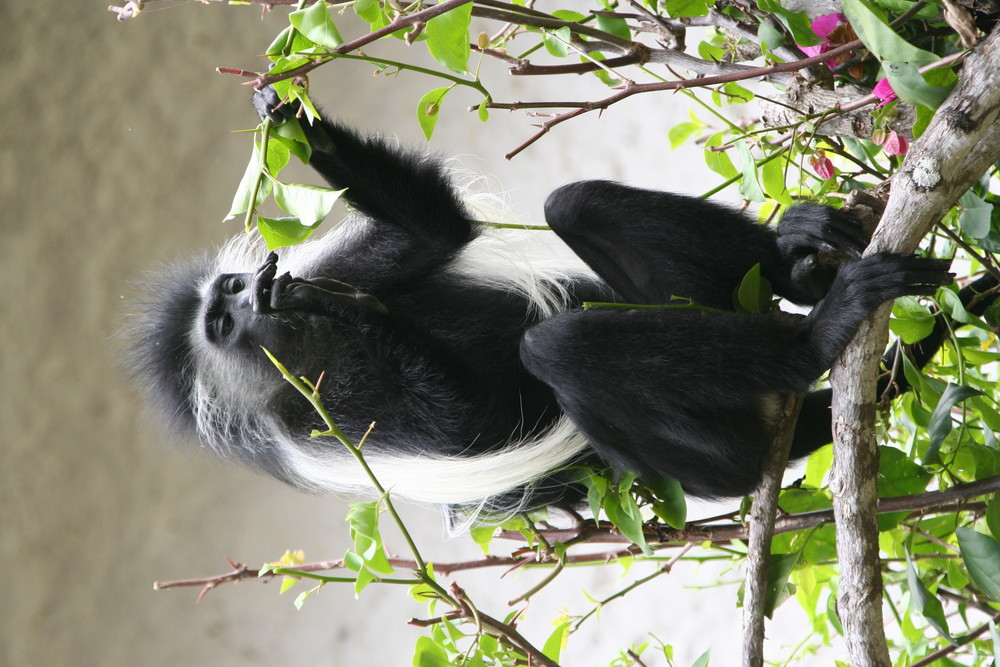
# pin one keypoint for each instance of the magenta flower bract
(823, 26)
(895, 144)
(822, 165)
(884, 92)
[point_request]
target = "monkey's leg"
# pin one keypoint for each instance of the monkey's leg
(651, 246)
(680, 393)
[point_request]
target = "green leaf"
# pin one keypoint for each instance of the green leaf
(711, 52)
(702, 660)
(557, 640)
(281, 44)
(924, 116)
(368, 556)
(871, 27)
(926, 603)
(316, 23)
(754, 292)
(687, 8)
(301, 599)
(981, 555)
(372, 12)
(680, 133)
(309, 203)
(242, 199)
(429, 108)
(603, 75)
(429, 654)
(277, 155)
(898, 476)
(797, 22)
(911, 86)
(670, 504)
(941, 424)
(779, 567)
(622, 510)
(818, 465)
(483, 536)
(569, 15)
(749, 185)
(484, 112)
(448, 38)
(930, 11)
(772, 175)
(290, 134)
(993, 516)
(737, 93)
(976, 214)
(953, 305)
(615, 25)
(770, 37)
(282, 232)
(596, 491)
(911, 320)
(557, 41)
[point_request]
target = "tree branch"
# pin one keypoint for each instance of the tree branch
(761, 527)
(932, 502)
(961, 142)
(636, 88)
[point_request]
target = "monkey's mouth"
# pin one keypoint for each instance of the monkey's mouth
(272, 293)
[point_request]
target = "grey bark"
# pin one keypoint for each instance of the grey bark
(959, 145)
(761, 526)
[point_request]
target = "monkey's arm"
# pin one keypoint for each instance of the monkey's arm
(390, 185)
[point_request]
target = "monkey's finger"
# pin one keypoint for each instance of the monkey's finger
(848, 236)
(320, 295)
(279, 288)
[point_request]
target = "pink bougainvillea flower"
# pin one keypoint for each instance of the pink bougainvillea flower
(834, 30)
(822, 165)
(895, 144)
(884, 92)
(823, 26)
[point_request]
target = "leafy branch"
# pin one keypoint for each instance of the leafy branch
(659, 535)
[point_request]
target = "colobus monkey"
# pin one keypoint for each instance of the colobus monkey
(484, 385)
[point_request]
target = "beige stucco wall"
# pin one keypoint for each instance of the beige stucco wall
(116, 149)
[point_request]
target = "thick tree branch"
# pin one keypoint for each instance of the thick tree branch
(960, 144)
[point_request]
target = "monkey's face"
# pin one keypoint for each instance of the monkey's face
(247, 311)
(231, 317)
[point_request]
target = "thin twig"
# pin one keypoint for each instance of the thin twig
(931, 658)
(635, 89)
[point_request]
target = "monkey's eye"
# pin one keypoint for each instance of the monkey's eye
(223, 325)
(232, 285)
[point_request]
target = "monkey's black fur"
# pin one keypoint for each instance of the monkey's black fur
(456, 369)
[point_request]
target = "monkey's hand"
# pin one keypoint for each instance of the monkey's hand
(808, 229)
(269, 105)
(261, 285)
(271, 293)
(319, 295)
(815, 240)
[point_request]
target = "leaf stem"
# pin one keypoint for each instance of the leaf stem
(265, 137)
